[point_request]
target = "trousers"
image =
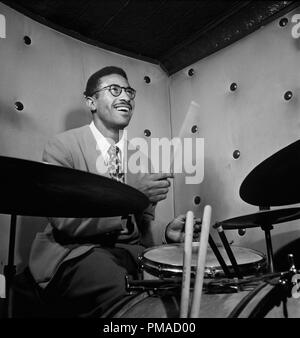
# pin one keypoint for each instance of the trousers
(89, 285)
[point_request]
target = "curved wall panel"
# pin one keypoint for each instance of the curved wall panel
(251, 116)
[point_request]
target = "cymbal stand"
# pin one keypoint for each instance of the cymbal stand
(10, 269)
(267, 229)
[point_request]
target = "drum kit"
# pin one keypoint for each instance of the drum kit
(239, 282)
(234, 281)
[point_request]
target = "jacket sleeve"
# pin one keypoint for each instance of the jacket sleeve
(146, 225)
(57, 153)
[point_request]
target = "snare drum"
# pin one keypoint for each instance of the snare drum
(167, 261)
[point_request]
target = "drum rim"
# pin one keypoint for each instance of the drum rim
(257, 303)
(162, 269)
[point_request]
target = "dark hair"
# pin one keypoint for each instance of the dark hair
(94, 80)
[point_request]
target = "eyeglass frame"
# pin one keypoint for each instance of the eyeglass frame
(109, 88)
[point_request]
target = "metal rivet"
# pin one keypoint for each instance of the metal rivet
(27, 40)
(236, 154)
(241, 232)
(283, 22)
(197, 200)
(233, 86)
(147, 132)
(288, 95)
(147, 79)
(19, 105)
(191, 72)
(194, 129)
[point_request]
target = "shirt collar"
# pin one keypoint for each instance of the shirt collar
(102, 143)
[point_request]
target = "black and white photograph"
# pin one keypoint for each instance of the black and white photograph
(149, 162)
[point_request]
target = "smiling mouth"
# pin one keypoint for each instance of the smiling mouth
(125, 109)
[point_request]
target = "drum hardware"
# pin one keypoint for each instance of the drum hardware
(260, 297)
(292, 264)
(265, 219)
(223, 285)
(279, 294)
(57, 191)
(273, 182)
(219, 256)
(281, 291)
(267, 230)
(174, 284)
(245, 284)
(133, 285)
(228, 250)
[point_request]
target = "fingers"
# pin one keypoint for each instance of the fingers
(152, 182)
(158, 190)
(154, 192)
(161, 184)
(161, 176)
(197, 228)
(196, 236)
(157, 198)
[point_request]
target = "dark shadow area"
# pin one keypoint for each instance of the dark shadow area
(27, 299)
(281, 256)
(281, 262)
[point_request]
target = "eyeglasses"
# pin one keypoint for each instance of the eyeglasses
(116, 91)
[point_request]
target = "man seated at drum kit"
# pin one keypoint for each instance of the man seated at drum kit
(81, 263)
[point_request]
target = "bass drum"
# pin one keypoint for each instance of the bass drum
(268, 300)
(264, 300)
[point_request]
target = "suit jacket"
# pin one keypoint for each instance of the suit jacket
(67, 238)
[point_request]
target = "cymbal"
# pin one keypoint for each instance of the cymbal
(276, 180)
(266, 217)
(31, 188)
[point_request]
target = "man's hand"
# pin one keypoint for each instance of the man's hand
(175, 229)
(154, 186)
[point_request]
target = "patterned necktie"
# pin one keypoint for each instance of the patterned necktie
(114, 164)
(115, 172)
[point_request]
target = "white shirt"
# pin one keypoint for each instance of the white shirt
(103, 144)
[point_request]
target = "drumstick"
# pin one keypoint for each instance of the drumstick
(219, 256)
(228, 250)
(195, 310)
(187, 259)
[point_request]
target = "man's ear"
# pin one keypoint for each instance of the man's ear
(90, 102)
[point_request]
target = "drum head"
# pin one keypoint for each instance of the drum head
(168, 259)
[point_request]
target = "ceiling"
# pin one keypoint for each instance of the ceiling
(171, 33)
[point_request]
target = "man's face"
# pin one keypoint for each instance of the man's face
(114, 112)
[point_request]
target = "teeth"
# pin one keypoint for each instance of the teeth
(126, 109)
